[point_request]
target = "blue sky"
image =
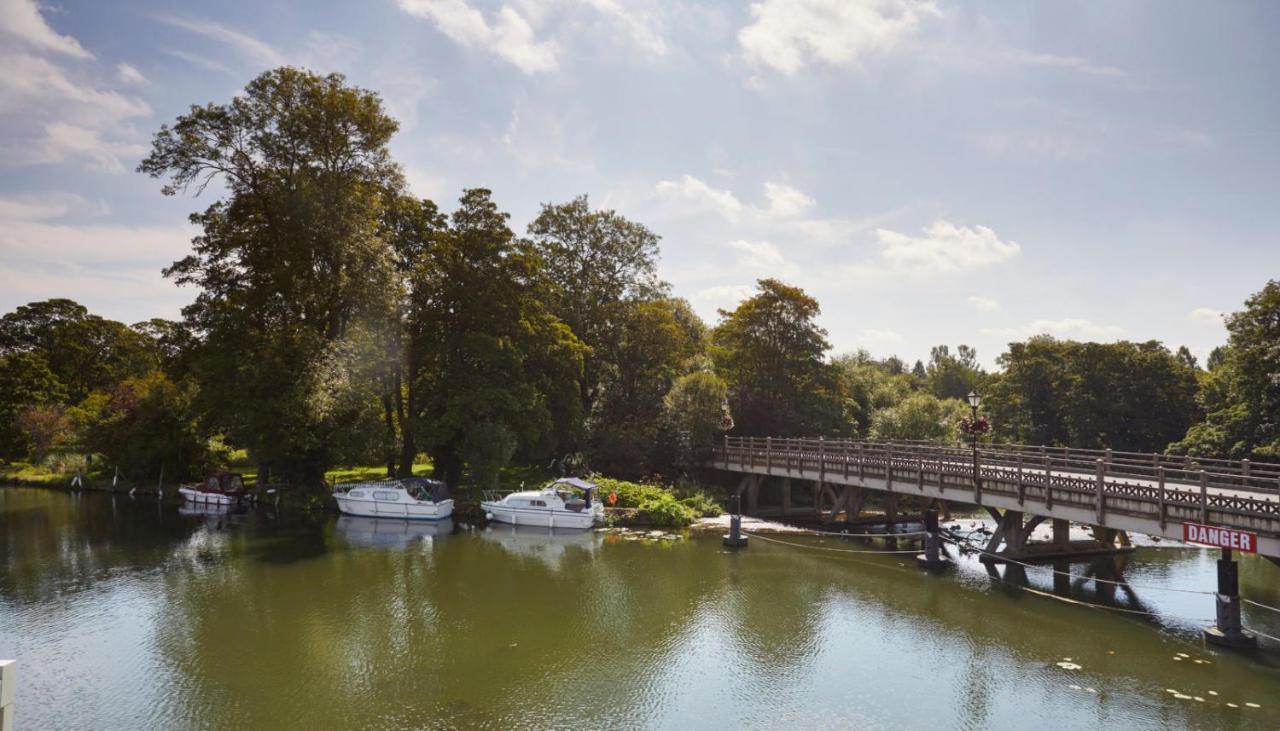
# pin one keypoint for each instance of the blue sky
(933, 172)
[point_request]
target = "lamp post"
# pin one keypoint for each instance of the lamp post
(975, 400)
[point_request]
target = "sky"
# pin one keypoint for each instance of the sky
(932, 172)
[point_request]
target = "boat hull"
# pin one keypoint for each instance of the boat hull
(199, 497)
(498, 512)
(399, 510)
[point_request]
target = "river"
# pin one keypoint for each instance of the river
(131, 615)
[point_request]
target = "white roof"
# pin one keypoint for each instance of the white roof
(576, 482)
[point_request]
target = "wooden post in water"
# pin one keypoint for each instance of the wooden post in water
(8, 689)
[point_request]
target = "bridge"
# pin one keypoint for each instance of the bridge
(1021, 486)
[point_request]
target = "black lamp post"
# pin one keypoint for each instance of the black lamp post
(975, 399)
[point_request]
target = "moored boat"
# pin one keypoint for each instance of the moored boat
(222, 488)
(569, 502)
(412, 498)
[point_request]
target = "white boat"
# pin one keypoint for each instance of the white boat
(222, 488)
(411, 498)
(566, 503)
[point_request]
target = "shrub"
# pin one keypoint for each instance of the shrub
(665, 513)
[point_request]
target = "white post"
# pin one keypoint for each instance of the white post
(8, 688)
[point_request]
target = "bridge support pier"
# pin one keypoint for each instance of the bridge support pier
(1227, 631)
(933, 558)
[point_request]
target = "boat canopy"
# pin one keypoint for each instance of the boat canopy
(576, 482)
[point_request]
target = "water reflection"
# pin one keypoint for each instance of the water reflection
(550, 546)
(249, 619)
(389, 532)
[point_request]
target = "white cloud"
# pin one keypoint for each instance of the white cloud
(63, 142)
(761, 257)
(944, 247)
(508, 35)
(639, 27)
(1072, 328)
(22, 20)
(696, 196)
(244, 43)
(129, 74)
(983, 303)
(872, 336)
(1069, 63)
(786, 35)
(724, 296)
(785, 200)
(44, 206)
(1206, 315)
(196, 59)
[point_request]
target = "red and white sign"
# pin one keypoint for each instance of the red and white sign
(1211, 535)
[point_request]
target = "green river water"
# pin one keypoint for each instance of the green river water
(131, 615)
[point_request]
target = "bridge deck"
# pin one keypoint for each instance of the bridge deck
(1150, 494)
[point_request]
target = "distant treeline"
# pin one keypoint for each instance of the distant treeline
(340, 320)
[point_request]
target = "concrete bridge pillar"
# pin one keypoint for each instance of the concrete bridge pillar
(1227, 630)
(933, 557)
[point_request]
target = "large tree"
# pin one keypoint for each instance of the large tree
(1129, 396)
(292, 267)
(1241, 394)
(771, 352)
(596, 262)
(488, 350)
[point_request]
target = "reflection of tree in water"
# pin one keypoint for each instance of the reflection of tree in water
(53, 542)
(457, 630)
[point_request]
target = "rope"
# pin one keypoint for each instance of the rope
(821, 548)
(1260, 604)
(868, 535)
(1125, 584)
(1260, 634)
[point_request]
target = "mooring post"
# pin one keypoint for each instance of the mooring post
(1160, 482)
(932, 558)
(8, 689)
(735, 539)
(1227, 630)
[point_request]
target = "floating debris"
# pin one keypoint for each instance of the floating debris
(1069, 666)
(1199, 699)
(1066, 659)
(1170, 690)
(1111, 652)
(1183, 654)
(1198, 661)
(1213, 692)
(1232, 705)
(1091, 690)
(1074, 687)
(1252, 705)
(513, 644)
(1175, 657)
(1182, 696)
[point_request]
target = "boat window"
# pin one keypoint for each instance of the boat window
(358, 493)
(538, 503)
(386, 496)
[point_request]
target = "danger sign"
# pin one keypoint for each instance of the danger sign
(1210, 535)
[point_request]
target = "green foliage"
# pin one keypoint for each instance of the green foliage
(1241, 395)
(144, 425)
(658, 505)
(486, 346)
(25, 382)
(488, 448)
(871, 385)
(693, 411)
(288, 262)
(953, 376)
(1128, 396)
(920, 416)
(771, 353)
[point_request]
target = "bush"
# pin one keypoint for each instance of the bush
(665, 513)
(658, 505)
(487, 450)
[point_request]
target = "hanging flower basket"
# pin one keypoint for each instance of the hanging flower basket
(975, 427)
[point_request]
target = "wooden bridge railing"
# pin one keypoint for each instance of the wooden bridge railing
(1233, 495)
